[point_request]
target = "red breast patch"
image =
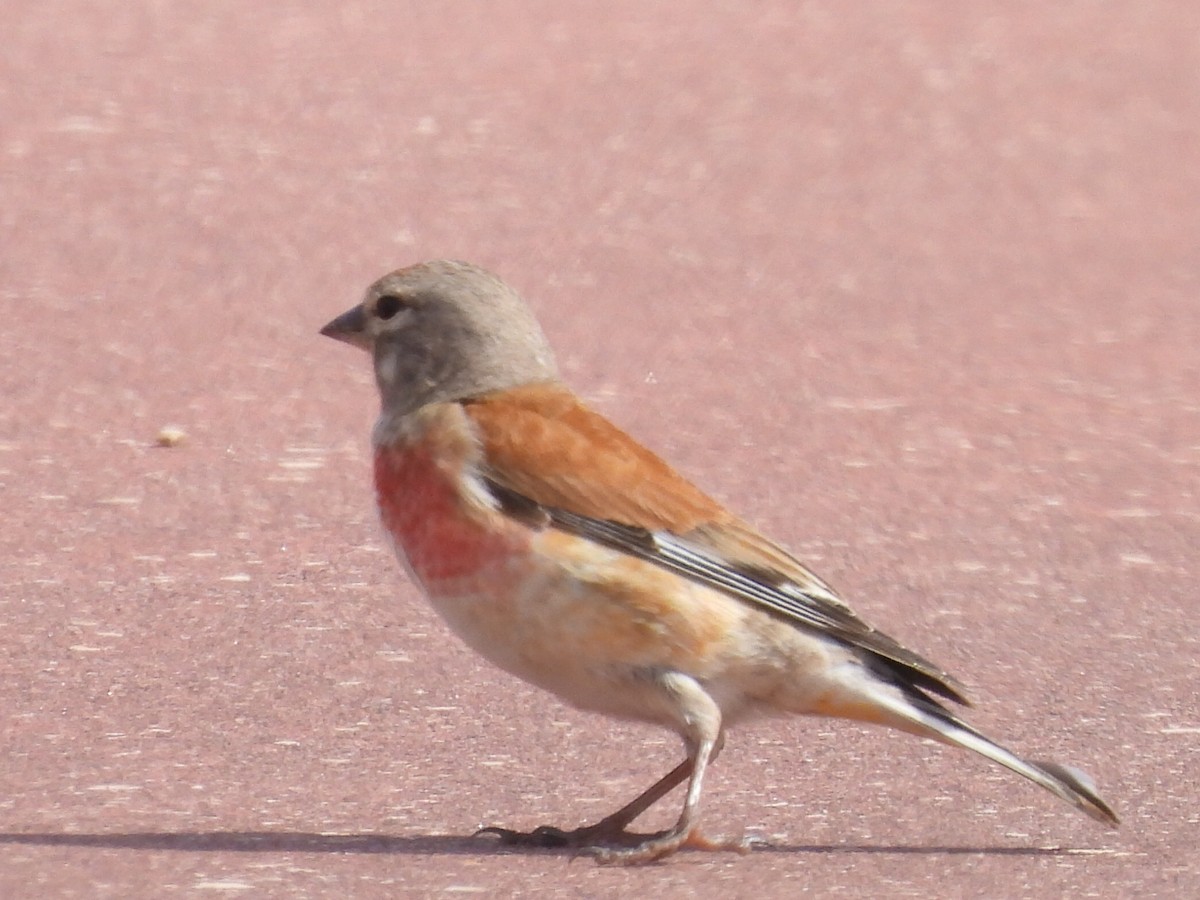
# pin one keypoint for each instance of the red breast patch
(423, 509)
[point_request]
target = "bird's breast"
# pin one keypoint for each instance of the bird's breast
(435, 511)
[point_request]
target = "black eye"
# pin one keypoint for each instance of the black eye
(388, 305)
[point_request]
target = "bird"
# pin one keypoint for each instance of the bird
(569, 555)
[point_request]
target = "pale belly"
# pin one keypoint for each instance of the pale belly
(578, 637)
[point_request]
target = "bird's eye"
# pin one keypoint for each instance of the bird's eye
(388, 305)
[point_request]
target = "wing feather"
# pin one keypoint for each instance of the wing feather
(552, 462)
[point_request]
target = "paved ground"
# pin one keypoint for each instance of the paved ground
(914, 286)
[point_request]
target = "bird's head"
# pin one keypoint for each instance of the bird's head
(443, 331)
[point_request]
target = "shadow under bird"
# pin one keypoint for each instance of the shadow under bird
(568, 554)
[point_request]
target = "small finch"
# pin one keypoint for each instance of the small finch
(568, 554)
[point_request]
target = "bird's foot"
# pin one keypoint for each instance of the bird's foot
(657, 846)
(609, 843)
(605, 832)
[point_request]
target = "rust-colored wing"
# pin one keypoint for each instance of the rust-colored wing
(543, 443)
(552, 460)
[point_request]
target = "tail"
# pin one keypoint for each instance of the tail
(911, 710)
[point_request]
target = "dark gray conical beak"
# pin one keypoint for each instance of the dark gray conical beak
(351, 327)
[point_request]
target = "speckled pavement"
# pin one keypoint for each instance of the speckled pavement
(914, 287)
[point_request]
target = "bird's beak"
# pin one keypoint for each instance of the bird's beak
(351, 327)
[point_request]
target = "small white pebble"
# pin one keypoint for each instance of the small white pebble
(170, 436)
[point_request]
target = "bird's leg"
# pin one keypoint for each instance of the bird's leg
(610, 829)
(698, 719)
(684, 833)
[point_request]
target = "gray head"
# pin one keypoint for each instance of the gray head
(443, 331)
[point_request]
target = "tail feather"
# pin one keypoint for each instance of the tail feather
(918, 714)
(1078, 788)
(1066, 782)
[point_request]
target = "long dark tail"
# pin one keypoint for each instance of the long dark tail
(910, 710)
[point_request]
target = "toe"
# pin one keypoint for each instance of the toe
(645, 852)
(699, 841)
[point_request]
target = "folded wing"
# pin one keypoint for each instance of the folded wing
(553, 462)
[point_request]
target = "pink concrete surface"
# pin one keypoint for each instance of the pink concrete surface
(912, 286)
